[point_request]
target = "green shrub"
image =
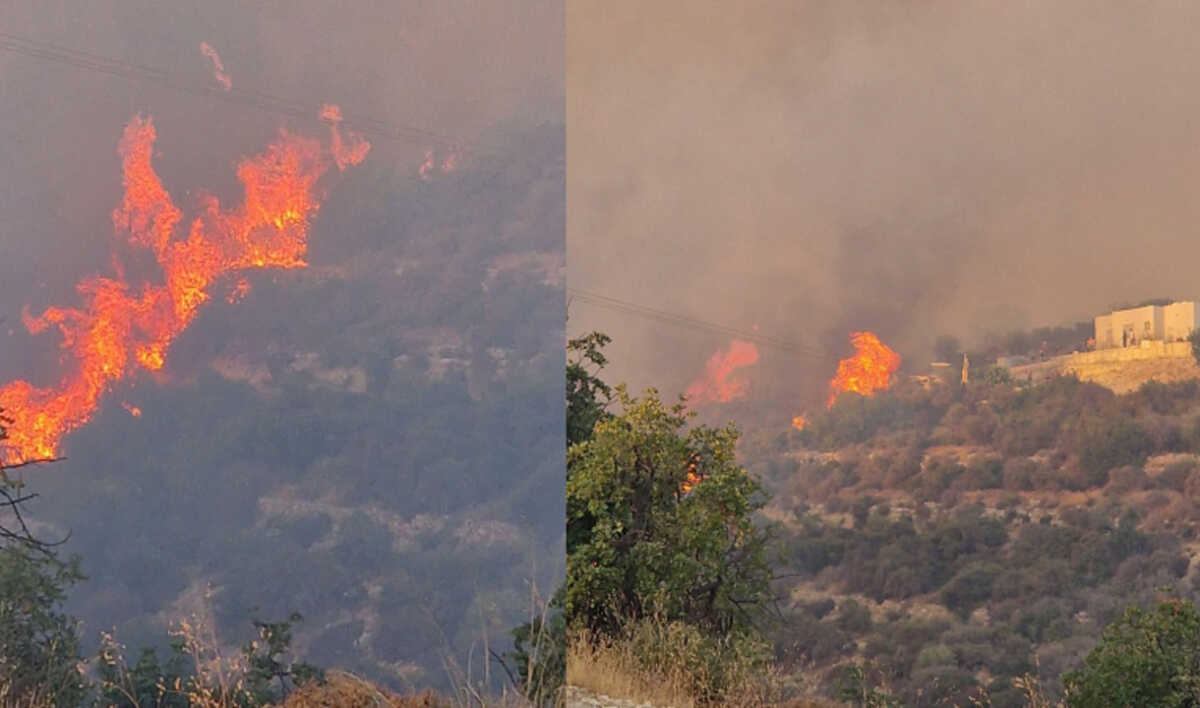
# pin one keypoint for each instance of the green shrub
(1175, 475)
(1106, 444)
(854, 617)
(970, 587)
(935, 655)
(1143, 659)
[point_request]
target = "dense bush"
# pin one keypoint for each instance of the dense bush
(1047, 583)
(1041, 569)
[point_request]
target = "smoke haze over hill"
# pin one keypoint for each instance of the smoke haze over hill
(374, 440)
(910, 168)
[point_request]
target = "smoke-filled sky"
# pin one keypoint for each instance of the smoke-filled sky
(913, 168)
(457, 68)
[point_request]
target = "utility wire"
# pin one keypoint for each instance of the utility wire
(255, 99)
(694, 323)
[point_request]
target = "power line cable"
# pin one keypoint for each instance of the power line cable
(256, 99)
(695, 323)
(271, 104)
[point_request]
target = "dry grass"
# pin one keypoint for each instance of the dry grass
(219, 680)
(8, 700)
(343, 690)
(617, 668)
(612, 670)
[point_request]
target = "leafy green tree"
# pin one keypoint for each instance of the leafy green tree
(267, 676)
(266, 666)
(587, 396)
(540, 654)
(1109, 443)
(852, 686)
(540, 645)
(1144, 659)
(150, 683)
(39, 643)
(997, 375)
(654, 546)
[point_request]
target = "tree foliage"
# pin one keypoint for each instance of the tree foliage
(39, 642)
(587, 395)
(539, 655)
(194, 674)
(696, 555)
(1145, 658)
(540, 646)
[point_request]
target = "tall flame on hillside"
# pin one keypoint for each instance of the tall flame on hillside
(121, 325)
(869, 370)
(718, 384)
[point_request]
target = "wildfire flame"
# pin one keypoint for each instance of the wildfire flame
(799, 422)
(120, 324)
(448, 164)
(132, 409)
(693, 476)
(344, 154)
(218, 68)
(869, 370)
(718, 383)
(427, 166)
(239, 291)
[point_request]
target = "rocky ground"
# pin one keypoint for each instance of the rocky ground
(582, 698)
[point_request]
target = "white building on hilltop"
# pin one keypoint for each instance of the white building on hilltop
(1161, 323)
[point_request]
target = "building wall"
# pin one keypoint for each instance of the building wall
(1142, 322)
(1104, 332)
(1167, 323)
(1179, 319)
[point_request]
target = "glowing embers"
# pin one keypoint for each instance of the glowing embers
(693, 475)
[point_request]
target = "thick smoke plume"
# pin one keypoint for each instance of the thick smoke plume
(913, 169)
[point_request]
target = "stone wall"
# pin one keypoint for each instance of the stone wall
(1145, 349)
(1120, 369)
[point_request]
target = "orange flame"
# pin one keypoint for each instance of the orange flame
(218, 68)
(430, 165)
(717, 384)
(869, 370)
(120, 324)
(133, 410)
(426, 166)
(345, 154)
(693, 476)
(799, 422)
(239, 291)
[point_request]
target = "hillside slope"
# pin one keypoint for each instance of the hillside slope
(375, 441)
(951, 540)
